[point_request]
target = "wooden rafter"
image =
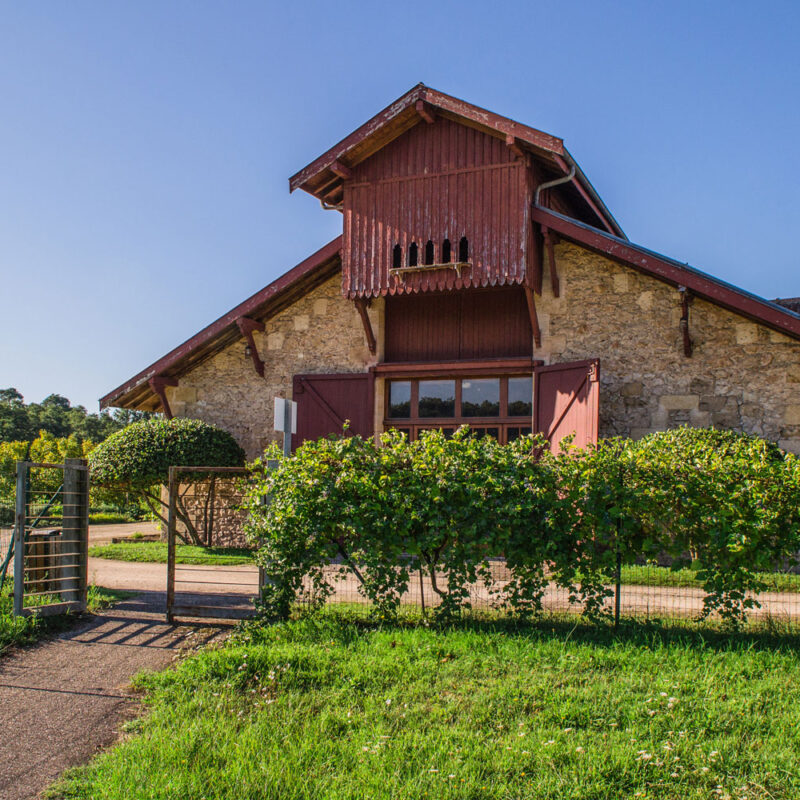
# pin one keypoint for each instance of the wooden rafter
(342, 170)
(247, 326)
(425, 111)
(513, 144)
(362, 303)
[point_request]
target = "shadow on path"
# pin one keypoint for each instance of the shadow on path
(63, 700)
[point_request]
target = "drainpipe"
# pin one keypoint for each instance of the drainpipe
(557, 182)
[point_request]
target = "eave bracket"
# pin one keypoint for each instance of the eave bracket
(246, 327)
(550, 242)
(686, 299)
(362, 304)
(534, 317)
(159, 385)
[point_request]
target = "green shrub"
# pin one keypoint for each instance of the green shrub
(136, 460)
(728, 502)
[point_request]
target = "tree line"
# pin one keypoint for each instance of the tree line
(55, 415)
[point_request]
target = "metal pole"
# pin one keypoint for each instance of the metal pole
(287, 428)
(617, 588)
(19, 537)
(171, 521)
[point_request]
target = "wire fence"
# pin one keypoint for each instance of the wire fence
(205, 509)
(230, 587)
(646, 592)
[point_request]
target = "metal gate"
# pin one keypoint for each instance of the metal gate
(51, 538)
(207, 498)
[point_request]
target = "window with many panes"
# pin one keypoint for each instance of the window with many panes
(501, 407)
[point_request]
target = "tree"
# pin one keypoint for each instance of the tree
(14, 423)
(137, 460)
(21, 422)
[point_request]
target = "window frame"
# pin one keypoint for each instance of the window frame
(414, 423)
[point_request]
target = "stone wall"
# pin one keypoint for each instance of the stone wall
(213, 508)
(320, 333)
(741, 375)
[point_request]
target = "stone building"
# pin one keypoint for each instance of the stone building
(480, 279)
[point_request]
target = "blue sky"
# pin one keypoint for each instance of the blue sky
(145, 147)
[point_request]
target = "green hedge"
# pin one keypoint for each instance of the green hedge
(726, 503)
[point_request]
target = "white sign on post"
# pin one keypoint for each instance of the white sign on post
(281, 414)
(286, 422)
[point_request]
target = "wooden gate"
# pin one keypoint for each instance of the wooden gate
(326, 402)
(567, 402)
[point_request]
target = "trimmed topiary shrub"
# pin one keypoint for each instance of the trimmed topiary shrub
(137, 459)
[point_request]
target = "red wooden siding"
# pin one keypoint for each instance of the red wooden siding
(484, 323)
(566, 399)
(325, 402)
(437, 181)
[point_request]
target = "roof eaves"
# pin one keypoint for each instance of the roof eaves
(439, 100)
(668, 269)
(171, 361)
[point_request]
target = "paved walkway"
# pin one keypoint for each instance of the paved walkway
(64, 699)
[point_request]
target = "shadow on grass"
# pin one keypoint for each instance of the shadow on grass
(764, 634)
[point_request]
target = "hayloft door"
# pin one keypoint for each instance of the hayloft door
(567, 401)
(326, 402)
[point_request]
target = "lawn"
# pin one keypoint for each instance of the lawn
(156, 552)
(24, 630)
(335, 706)
(664, 576)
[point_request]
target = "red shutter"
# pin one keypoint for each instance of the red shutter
(325, 402)
(566, 401)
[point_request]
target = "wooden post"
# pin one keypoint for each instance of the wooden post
(171, 521)
(19, 537)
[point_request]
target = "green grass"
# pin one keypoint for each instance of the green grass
(156, 552)
(663, 576)
(337, 707)
(25, 630)
(109, 518)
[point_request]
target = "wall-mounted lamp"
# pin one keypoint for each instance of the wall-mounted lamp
(247, 351)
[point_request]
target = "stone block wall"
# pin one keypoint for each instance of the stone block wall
(320, 333)
(215, 511)
(741, 375)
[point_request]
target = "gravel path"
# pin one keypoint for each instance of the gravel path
(63, 700)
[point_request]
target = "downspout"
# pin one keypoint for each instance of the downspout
(549, 184)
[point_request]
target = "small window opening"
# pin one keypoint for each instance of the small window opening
(413, 258)
(429, 252)
(463, 250)
(397, 257)
(446, 255)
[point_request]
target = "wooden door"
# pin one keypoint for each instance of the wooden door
(326, 402)
(566, 400)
